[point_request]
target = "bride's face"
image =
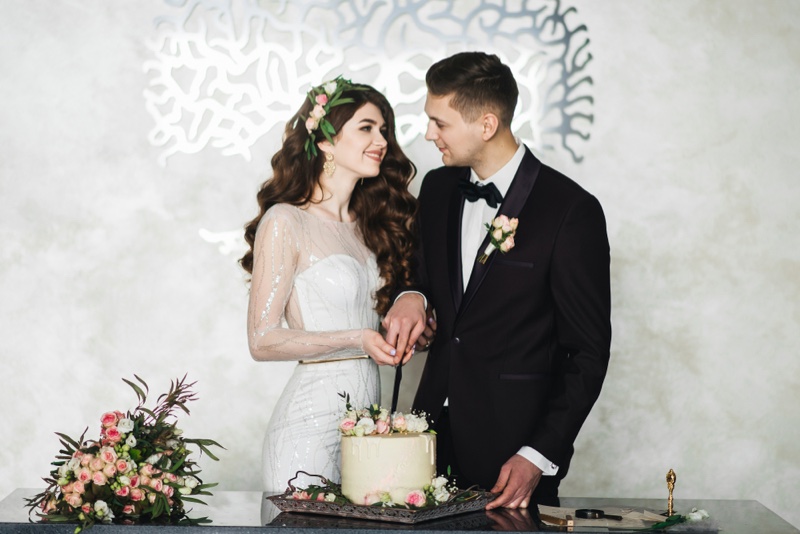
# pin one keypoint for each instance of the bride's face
(360, 145)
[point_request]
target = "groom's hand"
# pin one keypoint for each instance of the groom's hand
(518, 478)
(404, 323)
(426, 338)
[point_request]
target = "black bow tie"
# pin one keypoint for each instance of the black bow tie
(473, 192)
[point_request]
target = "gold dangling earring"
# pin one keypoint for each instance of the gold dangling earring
(329, 166)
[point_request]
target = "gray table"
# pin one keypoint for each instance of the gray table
(243, 512)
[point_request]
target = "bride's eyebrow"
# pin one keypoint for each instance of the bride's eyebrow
(370, 121)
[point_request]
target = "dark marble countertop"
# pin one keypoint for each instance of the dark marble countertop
(241, 512)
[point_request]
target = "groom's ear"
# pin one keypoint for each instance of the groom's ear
(489, 124)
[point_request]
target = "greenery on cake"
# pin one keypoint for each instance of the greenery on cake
(375, 420)
(440, 491)
(139, 471)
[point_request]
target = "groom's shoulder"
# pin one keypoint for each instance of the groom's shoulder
(442, 179)
(560, 184)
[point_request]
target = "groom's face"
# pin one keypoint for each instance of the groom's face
(459, 142)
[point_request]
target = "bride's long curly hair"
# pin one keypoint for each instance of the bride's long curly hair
(384, 208)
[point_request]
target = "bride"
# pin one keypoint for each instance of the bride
(332, 243)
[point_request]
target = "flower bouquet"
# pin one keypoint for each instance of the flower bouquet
(140, 471)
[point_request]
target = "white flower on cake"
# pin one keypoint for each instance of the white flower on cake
(364, 427)
(376, 420)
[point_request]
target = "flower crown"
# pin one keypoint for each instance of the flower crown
(324, 97)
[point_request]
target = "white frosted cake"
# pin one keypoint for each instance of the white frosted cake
(388, 463)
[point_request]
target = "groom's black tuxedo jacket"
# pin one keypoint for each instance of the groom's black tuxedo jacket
(522, 352)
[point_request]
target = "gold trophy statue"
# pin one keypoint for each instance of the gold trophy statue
(671, 478)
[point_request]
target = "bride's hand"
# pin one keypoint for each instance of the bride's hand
(377, 348)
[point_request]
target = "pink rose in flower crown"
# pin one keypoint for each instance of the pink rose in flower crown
(86, 459)
(168, 490)
(78, 487)
(416, 498)
(147, 470)
(135, 481)
(318, 112)
(122, 465)
(124, 491)
(311, 124)
(157, 484)
(137, 494)
(321, 99)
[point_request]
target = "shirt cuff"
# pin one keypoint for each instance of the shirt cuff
(425, 300)
(533, 456)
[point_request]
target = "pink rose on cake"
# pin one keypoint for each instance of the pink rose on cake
(376, 420)
(347, 425)
(416, 498)
(399, 422)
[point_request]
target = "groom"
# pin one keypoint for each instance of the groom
(522, 340)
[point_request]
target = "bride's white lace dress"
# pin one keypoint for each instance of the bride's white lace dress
(312, 293)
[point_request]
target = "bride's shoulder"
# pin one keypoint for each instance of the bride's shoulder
(283, 213)
(284, 217)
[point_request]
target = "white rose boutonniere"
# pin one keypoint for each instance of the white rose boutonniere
(501, 236)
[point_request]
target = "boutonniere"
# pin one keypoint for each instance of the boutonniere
(501, 236)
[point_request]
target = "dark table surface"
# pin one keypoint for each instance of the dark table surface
(241, 512)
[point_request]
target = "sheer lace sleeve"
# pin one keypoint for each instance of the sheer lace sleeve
(275, 330)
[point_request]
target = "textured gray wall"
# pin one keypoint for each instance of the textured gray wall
(103, 271)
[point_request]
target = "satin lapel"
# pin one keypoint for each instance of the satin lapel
(453, 244)
(512, 205)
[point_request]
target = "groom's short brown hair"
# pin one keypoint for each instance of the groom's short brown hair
(479, 83)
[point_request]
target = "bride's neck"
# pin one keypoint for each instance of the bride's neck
(331, 199)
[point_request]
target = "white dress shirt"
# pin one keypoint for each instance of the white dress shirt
(474, 217)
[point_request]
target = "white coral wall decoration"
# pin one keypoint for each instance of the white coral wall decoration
(225, 73)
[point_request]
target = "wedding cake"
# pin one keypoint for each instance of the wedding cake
(387, 458)
(375, 467)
